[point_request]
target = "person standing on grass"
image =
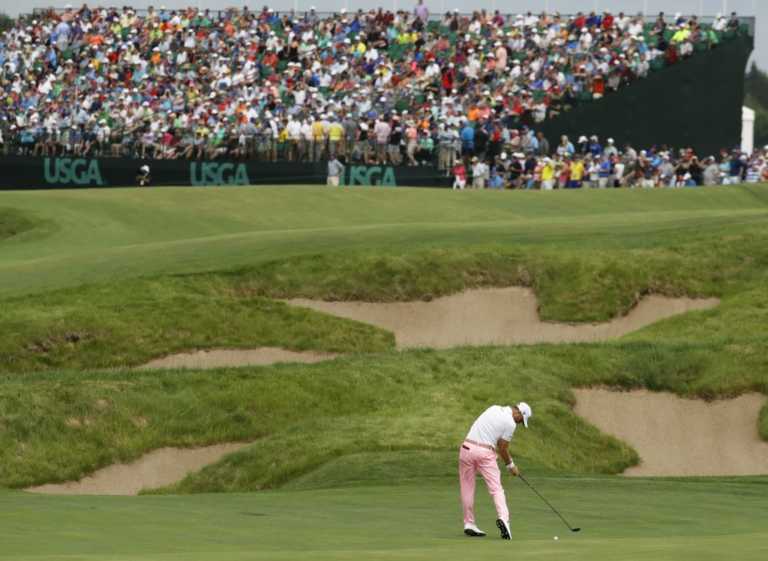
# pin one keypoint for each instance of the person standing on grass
(490, 434)
(459, 175)
(335, 171)
(547, 175)
(480, 173)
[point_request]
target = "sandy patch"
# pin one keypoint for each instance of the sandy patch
(683, 437)
(491, 316)
(220, 358)
(161, 467)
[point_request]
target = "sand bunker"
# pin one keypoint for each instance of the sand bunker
(682, 437)
(220, 358)
(495, 316)
(161, 467)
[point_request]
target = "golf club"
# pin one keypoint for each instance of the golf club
(572, 529)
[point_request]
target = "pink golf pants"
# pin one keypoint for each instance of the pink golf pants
(471, 460)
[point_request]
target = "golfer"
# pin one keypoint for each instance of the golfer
(490, 433)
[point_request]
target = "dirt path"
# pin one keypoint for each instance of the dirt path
(219, 358)
(161, 467)
(495, 316)
(681, 437)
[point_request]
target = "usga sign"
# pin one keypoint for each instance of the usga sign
(373, 175)
(67, 171)
(215, 173)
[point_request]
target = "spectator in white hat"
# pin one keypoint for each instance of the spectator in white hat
(480, 173)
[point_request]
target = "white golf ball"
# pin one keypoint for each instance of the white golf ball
(555, 538)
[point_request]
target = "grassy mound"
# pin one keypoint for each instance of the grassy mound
(299, 415)
(59, 426)
(129, 323)
(588, 255)
(14, 222)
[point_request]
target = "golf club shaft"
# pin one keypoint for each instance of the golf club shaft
(548, 504)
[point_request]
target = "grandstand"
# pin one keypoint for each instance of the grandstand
(378, 88)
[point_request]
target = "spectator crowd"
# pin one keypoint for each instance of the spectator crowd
(590, 163)
(370, 86)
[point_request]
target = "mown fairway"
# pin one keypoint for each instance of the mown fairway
(621, 520)
(97, 235)
(355, 458)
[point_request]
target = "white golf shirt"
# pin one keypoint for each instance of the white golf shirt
(496, 422)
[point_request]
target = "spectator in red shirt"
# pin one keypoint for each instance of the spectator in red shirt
(459, 175)
(607, 21)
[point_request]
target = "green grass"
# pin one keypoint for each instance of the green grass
(356, 458)
(299, 416)
(584, 262)
(113, 234)
(622, 520)
(133, 322)
(303, 416)
(588, 255)
(13, 223)
(763, 423)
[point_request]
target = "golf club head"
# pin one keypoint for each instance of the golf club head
(575, 529)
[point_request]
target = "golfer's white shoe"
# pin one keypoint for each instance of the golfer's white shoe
(503, 525)
(473, 531)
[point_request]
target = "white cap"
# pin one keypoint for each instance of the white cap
(525, 411)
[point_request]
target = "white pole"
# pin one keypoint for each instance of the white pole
(747, 130)
(645, 7)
